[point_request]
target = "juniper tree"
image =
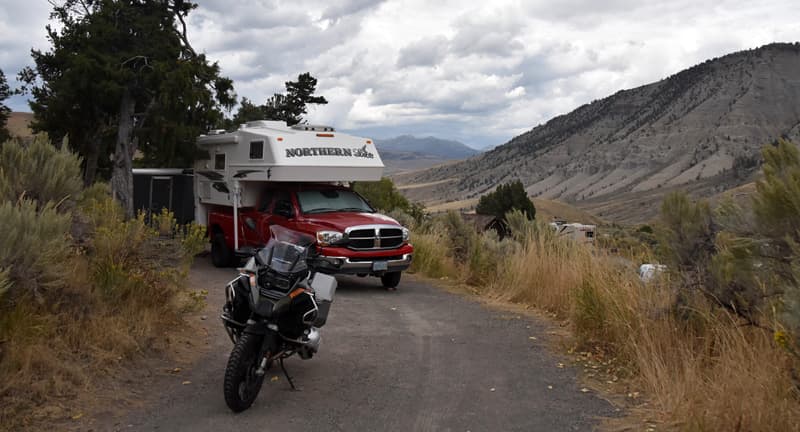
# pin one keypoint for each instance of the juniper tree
(507, 197)
(121, 75)
(289, 107)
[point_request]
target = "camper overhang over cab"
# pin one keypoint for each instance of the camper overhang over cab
(271, 151)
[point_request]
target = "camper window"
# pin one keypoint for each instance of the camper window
(257, 150)
(219, 161)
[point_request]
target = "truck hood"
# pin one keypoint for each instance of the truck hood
(340, 221)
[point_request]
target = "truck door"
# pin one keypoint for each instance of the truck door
(283, 211)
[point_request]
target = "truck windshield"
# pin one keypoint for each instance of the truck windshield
(331, 200)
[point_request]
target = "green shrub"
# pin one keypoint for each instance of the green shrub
(463, 237)
(520, 227)
(686, 234)
(34, 247)
(39, 172)
(505, 198)
(384, 196)
(432, 255)
(80, 286)
(756, 269)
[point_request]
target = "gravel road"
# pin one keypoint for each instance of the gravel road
(417, 359)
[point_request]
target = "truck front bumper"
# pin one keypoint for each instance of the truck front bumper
(381, 262)
(371, 266)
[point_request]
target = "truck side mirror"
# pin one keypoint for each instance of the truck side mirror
(284, 208)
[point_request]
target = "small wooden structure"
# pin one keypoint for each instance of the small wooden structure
(483, 223)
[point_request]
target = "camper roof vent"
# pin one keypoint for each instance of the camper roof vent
(264, 124)
(315, 128)
(216, 132)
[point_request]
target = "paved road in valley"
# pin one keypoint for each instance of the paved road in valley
(418, 359)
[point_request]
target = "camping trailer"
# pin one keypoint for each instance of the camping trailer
(579, 232)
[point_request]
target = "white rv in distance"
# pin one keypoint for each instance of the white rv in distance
(581, 233)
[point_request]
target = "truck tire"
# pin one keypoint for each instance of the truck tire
(221, 255)
(391, 279)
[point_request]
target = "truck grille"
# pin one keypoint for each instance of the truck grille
(370, 238)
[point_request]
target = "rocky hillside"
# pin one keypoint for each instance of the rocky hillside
(19, 124)
(700, 130)
(407, 152)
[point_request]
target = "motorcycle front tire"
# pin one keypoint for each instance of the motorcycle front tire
(242, 384)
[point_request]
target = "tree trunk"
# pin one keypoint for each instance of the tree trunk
(90, 160)
(122, 170)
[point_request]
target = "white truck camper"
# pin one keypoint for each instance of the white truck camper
(581, 233)
(242, 162)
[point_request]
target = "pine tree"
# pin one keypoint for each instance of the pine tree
(121, 76)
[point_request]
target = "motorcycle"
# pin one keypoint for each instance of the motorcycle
(274, 310)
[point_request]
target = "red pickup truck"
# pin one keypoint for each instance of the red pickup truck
(350, 234)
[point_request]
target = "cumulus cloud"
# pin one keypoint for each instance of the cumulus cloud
(479, 72)
(424, 52)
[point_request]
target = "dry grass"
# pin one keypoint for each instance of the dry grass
(699, 368)
(432, 257)
(122, 293)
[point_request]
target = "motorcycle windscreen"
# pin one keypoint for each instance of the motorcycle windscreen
(286, 251)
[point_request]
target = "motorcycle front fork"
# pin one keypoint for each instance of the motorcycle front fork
(268, 351)
(266, 355)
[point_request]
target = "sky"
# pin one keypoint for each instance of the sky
(480, 72)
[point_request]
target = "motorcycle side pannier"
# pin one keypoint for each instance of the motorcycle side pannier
(324, 289)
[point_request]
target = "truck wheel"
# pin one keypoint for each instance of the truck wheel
(220, 254)
(391, 279)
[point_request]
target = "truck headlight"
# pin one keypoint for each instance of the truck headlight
(406, 234)
(327, 238)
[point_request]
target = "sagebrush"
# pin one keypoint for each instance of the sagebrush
(81, 288)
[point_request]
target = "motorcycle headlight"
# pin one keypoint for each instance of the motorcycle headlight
(327, 238)
(406, 234)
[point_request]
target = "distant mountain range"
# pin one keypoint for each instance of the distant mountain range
(406, 152)
(700, 130)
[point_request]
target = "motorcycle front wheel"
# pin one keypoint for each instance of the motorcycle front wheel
(242, 384)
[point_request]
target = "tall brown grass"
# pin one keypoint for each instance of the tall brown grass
(701, 368)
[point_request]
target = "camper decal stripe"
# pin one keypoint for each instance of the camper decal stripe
(329, 151)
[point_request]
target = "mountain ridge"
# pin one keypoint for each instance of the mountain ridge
(406, 143)
(407, 152)
(700, 129)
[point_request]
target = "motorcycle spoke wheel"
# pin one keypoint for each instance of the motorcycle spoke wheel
(242, 384)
